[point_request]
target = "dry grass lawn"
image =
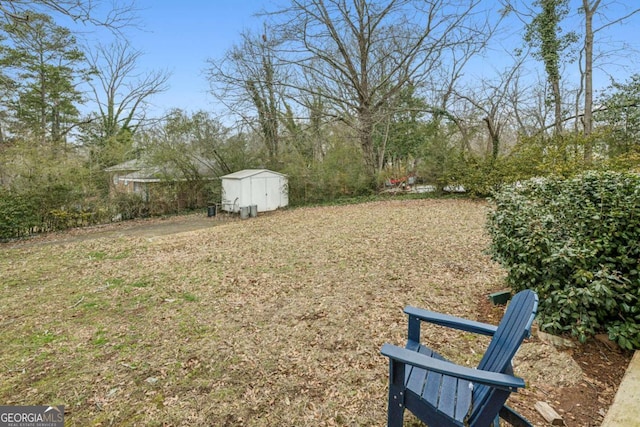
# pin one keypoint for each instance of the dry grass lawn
(273, 321)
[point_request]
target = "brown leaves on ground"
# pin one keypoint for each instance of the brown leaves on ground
(271, 321)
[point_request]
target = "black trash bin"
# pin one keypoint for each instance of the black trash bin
(211, 210)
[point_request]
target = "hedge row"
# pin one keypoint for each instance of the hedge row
(21, 216)
(577, 243)
(17, 215)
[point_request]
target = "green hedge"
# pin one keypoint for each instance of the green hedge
(577, 243)
(48, 209)
(17, 215)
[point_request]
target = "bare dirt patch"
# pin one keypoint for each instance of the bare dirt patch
(143, 227)
(579, 383)
(276, 320)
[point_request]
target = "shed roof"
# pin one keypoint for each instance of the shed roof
(245, 173)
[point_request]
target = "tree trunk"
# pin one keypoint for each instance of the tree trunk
(365, 134)
(43, 107)
(494, 136)
(543, 33)
(55, 127)
(589, 11)
(557, 104)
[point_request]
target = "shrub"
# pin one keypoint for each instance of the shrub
(46, 209)
(130, 206)
(337, 176)
(482, 176)
(17, 215)
(577, 243)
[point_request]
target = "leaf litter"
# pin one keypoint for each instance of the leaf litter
(276, 320)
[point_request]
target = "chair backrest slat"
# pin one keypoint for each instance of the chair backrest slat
(514, 327)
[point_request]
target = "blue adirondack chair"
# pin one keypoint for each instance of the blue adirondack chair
(441, 393)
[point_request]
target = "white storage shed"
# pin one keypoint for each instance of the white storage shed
(263, 188)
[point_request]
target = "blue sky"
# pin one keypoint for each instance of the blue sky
(179, 36)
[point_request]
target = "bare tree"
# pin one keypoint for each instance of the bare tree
(443, 84)
(599, 15)
(115, 16)
(120, 91)
(590, 8)
(366, 51)
(249, 82)
(495, 99)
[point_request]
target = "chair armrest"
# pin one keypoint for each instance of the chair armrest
(451, 321)
(492, 379)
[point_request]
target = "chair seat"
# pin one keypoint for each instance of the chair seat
(446, 394)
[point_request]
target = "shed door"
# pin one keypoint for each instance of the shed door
(260, 194)
(272, 193)
(265, 192)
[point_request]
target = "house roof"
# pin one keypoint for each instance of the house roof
(129, 165)
(151, 174)
(245, 173)
(138, 170)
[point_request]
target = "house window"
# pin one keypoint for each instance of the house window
(141, 189)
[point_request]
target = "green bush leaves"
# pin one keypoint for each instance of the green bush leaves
(577, 243)
(17, 215)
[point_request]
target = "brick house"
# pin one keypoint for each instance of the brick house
(161, 184)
